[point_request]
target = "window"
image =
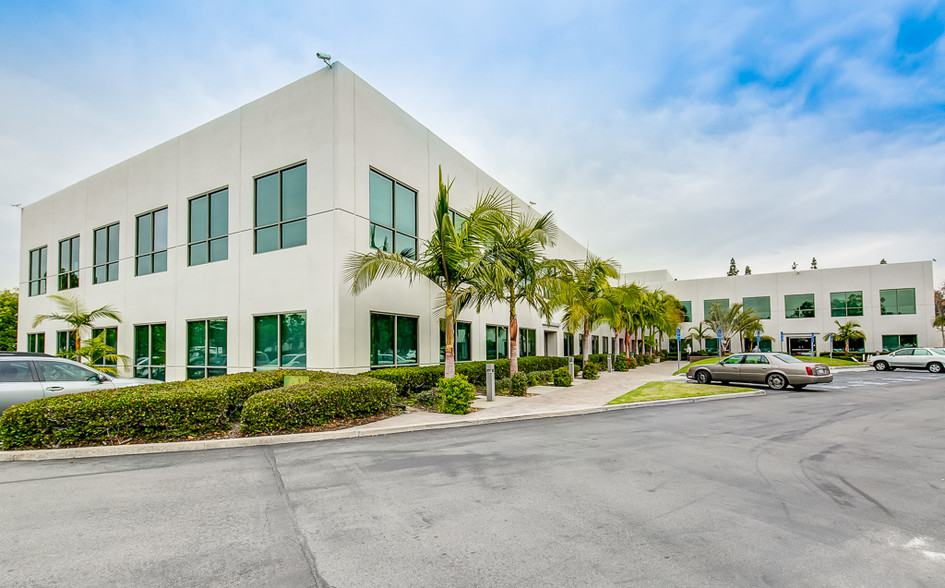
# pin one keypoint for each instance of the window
(798, 306)
(461, 341)
(393, 216)
(111, 339)
(568, 344)
(150, 351)
(105, 254)
(526, 346)
(279, 341)
(65, 342)
(36, 342)
(38, 271)
(151, 243)
(687, 310)
(458, 220)
(894, 342)
(497, 342)
(60, 371)
(900, 301)
(281, 209)
(756, 359)
(580, 345)
(712, 346)
(605, 341)
(846, 303)
(707, 304)
(394, 340)
(595, 344)
(208, 227)
(69, 263)
(206, 349)
(760, 304)
(856, 345)
(15, 371)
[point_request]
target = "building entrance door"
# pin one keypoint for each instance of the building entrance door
(798, 345)
(551, 343)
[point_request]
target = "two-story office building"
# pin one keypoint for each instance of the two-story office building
(893, 304)
(223, 248)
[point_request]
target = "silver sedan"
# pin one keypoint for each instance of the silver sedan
(776, 370)
(922, 358)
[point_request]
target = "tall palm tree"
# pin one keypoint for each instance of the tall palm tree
(733, 321)
(579, 288)
(846, 332)
(625, 302)
(74, 312)
(519, 272)
(453, 258)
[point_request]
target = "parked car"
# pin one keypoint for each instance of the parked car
(920, 358)
(776, 370)
(31, 376)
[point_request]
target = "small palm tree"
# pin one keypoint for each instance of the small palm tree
(579, 288)
(939, 323)
(453, 258)
(73, 312)
(100, 354)
(701, 333)
(846, 332)
(733, 321)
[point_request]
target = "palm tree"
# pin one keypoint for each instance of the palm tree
(625, 302)
(701, 333)
(579, 287)
(732, 321)
(453, 258)
(100, 354)
(519, 272)
(73, 312)
(846, 332)
(939, 323)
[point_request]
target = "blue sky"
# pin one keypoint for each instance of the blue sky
(673, 136)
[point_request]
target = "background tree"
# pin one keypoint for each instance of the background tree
(813, 263)
(794, 266)
(579, 288)
(846, 332)
(732, 269)
(453, 259)
(519, 272)
(735, 320)
(9, 304)
(939, 323)
(73, 312)
(747, 270)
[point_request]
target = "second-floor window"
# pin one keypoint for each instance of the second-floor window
(207, 231)
(69, 263)
(394, 216)
(281, 209)
(38, 271)
(151, 243)
(105, 262)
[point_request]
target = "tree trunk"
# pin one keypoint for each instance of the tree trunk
(585, 337)
(513, 340)
(77, 358)
(449, 362)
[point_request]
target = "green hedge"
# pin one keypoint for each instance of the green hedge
(156, 412)
(333, 396)
(412, 379)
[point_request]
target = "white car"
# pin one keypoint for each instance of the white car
(31, 376)
(921, 358)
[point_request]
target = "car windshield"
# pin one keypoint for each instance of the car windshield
(787, 358)
(939, 350)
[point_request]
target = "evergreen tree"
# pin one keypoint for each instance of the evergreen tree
(813, 263)
(732, 270)
(747, 270)
(9, 301)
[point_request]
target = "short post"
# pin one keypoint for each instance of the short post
(813, 342)
(571, 367)
(490, 382)
(610, 363)
(678, 346)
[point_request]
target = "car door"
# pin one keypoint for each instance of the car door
(64, 377)
(901, 358)
(754, 369)
(728, 370)
(920, 358)
(17, 383)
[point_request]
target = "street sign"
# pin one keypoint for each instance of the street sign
(678, 333)
(720, 333)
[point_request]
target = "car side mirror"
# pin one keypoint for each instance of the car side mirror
(102, 378)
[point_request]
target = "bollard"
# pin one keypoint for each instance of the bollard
(571, 367)
(490, 382)
(610, 363)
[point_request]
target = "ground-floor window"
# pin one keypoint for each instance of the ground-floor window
(568, 344)
(580, 345)
(712, 346)
(750, 343)
(206, 348)
(151, 351)
(65, 342)
(394, 340)
(894, 342)
(595, 344)
(279, 341)
(36, 342)
(526, 345)
(497, 342)
(110, 338)
(856, 346)
(462, 341)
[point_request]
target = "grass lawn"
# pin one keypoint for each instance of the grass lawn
(817, 359)
(667, 390)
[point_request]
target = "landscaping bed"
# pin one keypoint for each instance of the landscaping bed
(671, 390)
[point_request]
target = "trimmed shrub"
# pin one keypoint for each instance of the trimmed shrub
(541, 378)
(590, 371)
(334, 396)
(620, 363)
(412, 379)
(519, 384)
(458, 394)
(429, 397)
(155, 412)
(631, 363)
(409, 379)
(502, 385)
(562, 377)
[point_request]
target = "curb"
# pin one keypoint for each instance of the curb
(179, 446)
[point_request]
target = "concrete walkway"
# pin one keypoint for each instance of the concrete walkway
(583, 397)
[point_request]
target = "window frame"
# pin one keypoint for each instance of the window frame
(71, 276)
(745, 305)
(687, 310)
(845, 310)
(281, 221)
(108, 264)
(107, 330)
(882, 304)
(708, 302)
(153, 371)
(467, 326)
(153, 253)
(568, 339)
(210, 239)
(495, 351)
(35, 279)
(527, 342)
(281, 317)
(69, 337)
(899, 343)
(206, 370)
(799, 309)
(393, 208)
(33, 340)
(395, 362)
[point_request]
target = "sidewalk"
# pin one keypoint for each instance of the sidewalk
(583, 397)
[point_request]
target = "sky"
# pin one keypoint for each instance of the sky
(671, 135)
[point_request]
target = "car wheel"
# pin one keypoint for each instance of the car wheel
(881, 366)
(703, 377)
(777, 382)
(798, 386)
(935, 368)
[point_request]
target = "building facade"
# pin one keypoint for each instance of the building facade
(893, 304)
(223, 248)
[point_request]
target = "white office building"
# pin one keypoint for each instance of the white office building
(223, 248)
(893, 304)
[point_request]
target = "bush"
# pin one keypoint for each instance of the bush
(620, 363)
(429, 397)
(541, 378)
(412, 379)
(334, 396)
(590, 371)
(502, 385)
(562, 377)
(409, 379)
(458, 394)
(155, 412)
(519, 384)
